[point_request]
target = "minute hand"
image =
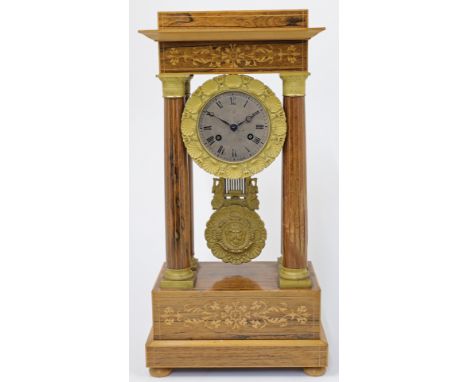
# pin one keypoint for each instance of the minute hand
(222, 120)
(248, 118)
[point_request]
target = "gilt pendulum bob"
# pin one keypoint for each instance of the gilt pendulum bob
(234, 126)
(235, 233)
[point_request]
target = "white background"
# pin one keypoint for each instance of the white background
(64, 190)
(147, 246)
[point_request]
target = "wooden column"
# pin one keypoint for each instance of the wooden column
(193, 259)
(178, 188)
(293, 269)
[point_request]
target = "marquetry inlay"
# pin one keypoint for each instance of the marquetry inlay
(233, 57)
(257, 314)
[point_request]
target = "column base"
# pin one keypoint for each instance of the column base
(292, 278)
(178, 279)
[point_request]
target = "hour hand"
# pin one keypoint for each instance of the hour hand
(211, 114)
(248, 118)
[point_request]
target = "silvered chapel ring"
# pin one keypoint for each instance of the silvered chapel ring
(235, 234)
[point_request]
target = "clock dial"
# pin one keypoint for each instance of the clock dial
(234, 126)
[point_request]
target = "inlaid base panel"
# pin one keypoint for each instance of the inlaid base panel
(237, 302)
(237, 317)
(312, 355)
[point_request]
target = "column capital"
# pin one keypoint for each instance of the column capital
(187, 86)
(175, 85)
(294, 83)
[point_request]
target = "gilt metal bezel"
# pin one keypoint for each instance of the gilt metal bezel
(255, 89)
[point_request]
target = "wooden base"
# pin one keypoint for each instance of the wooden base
(312, 371)
(312, 355)
(237, 317)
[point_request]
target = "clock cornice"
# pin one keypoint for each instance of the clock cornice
(235, 42)
(231, 34)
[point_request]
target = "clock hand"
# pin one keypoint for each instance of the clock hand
(222, 120)
(248, 118)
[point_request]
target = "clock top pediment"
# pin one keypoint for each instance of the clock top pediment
(267, 41)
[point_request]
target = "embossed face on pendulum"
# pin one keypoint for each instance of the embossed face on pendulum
(234, 126)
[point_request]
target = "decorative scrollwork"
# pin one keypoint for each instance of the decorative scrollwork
(254, 88)
(232, 55)
(236, 315)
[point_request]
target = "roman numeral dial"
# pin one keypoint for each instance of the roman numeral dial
(234, 126)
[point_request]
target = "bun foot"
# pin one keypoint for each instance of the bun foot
(315, 371)
(159, 373)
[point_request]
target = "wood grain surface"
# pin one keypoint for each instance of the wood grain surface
(177, 188)
(237, 302)
(190, 189)
(240, 19)
(263, 41)
(294, 207)
(231, 34)
(236, 353)
(232, 56)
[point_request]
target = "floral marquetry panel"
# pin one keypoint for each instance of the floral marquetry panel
(233, 315)
(235, 305)
(233, 57)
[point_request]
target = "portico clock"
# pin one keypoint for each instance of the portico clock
(235, 311)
